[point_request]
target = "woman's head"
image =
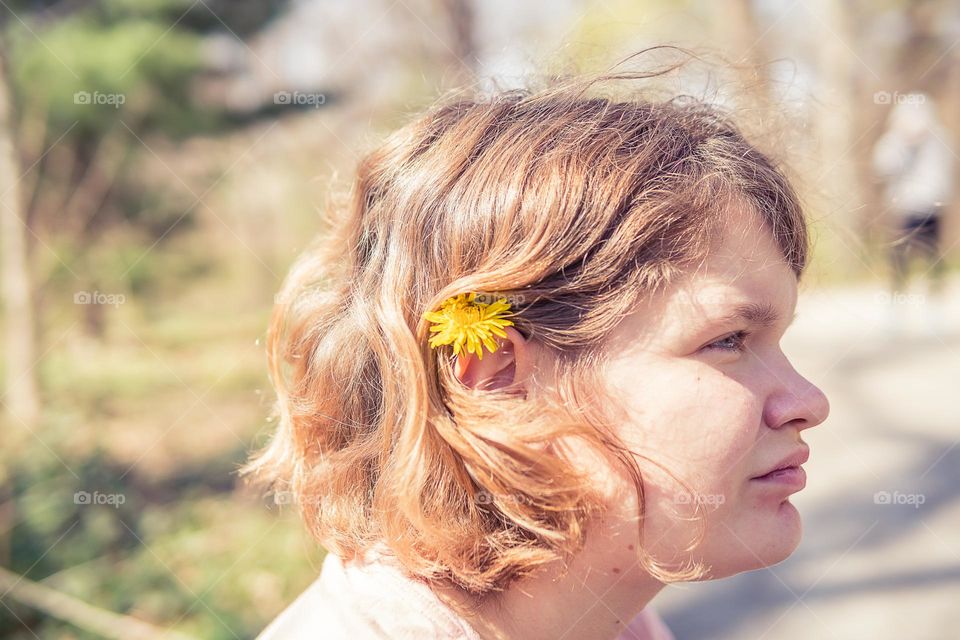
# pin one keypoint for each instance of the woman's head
(615, 228)
(710, 396)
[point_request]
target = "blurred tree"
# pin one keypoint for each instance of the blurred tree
(837, 75)
(109, 80)
(117, 75)
(745, 39)
(20, 397)
(460, 26)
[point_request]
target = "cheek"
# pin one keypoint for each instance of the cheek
(695, 428)
(691, 425)
(698, 422)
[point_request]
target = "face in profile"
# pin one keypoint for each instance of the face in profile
(710, 397)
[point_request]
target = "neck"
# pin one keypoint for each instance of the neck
(604, 588)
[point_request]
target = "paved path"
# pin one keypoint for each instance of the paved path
(880, 557)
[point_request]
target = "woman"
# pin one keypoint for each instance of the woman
(603, 406)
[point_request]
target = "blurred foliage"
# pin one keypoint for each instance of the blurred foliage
(172, 553)
(144, 50)
(183, 548)
(82, 60)
(162, 402)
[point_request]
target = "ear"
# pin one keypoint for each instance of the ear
(506, 368)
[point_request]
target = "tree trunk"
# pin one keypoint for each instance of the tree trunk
(837, 140)
(746, 39)
(20, 396)
(460, 37)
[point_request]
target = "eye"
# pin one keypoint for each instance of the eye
(733, 342)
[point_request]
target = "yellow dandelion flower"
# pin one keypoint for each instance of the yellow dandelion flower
(468, 325)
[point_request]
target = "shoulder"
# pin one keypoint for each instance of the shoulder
(310, 615)
(370, 599)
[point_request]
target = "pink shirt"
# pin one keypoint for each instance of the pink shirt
(377, 600)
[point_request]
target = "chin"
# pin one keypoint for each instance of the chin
(761, 540)
(777, 536)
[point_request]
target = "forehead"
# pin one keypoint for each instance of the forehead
(743, 242)
(743, 254)
(743, 259)
(744, 270)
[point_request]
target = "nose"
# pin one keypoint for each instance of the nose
(796, 402)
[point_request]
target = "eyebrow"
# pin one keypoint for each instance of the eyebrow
(760, 314)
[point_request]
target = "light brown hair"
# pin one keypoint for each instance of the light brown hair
(570, 204)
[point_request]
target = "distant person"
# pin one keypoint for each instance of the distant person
(915, 162)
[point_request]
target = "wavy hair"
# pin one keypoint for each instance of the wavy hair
(571, 205)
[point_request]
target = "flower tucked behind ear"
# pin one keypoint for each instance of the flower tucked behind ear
(463, 322)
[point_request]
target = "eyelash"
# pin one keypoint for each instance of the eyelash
(739, 338)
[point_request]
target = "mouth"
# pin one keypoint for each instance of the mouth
(788, 472)
(788, 476)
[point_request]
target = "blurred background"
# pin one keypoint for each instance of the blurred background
(162, 162)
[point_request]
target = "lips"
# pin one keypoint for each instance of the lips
(789, 480)
(790, 462)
